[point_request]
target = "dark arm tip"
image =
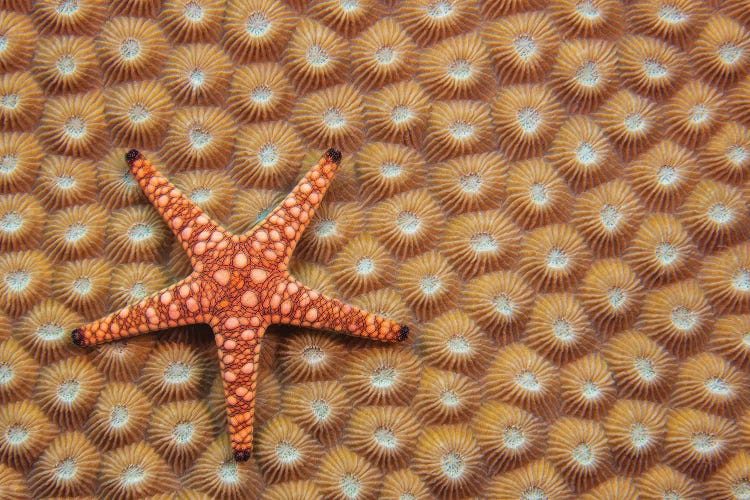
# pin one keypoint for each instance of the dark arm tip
(77, 336)
(131, 156)
(334, 155)
(403, 333)
(241, 455)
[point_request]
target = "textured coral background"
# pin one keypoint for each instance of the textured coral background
(552, 194)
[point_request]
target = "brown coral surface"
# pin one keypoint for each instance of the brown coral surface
(553, 194)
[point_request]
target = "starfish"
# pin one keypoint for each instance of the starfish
(240, 285)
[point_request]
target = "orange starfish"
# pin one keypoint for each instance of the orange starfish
(240, 284)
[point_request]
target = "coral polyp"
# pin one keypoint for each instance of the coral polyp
(522, 45)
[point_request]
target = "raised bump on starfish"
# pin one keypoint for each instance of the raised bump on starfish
(239, 286)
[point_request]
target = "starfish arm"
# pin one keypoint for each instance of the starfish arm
(300, 305)
(177, 305)
(282, 228)
(193, 228)
(239, 356)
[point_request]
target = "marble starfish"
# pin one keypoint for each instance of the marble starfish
(239, 286)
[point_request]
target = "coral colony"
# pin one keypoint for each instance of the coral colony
(552, 194)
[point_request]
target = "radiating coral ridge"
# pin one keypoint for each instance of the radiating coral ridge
(553, 194)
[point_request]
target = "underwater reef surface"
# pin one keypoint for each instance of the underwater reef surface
(552, 195)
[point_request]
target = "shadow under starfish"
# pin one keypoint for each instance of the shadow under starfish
(239, 286)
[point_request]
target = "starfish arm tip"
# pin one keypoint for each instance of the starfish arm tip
(131, 156)
(334, 155)
(403, 333)
(77, 336)
(241, 455)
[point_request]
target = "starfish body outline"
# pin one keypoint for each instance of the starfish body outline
(239, 286)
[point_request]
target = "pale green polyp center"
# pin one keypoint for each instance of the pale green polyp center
(557, 259)
(365, 266)
(201, 195)
(655, 69)
(503, 304)
(383, 377)
(228, 472)
(199, 137)
(18, 280)
(333, 118)
(385, 55)
(671, 14)
(50, 331)
(408, 222)
(717, 385)
(66, 470)
(139, 113)
(75, 127)
(470, 183)
(459, 345)
(183, 432)
(140, 232)
(11, 222)
(9, 101)
(177, 372)
(639, 435)
(587, 9)
(257, 24)
(66, 65)
(385, 438)
(730, 53)
(588, 74)
(483, 242)
(17, 434)
(704, 442)
(194, 11)
(666, 253)
(453, 465)
(401, 114)
(261, 94)
(268, 155)
(68, 391)
(130, 48)
(741, 279)
(133, 474)
(439, 9)
(317, 56)
(67, 7)
(634, 122)
(513, 437)
(461, 130)
(430, 284)
(8, 163)
(525, 46)
(350, 486)
(529, 119)
(720, 213)
(320, 408)
(6, 373)
(119, 416)
(460, 69)
(683, 318)
(610, 217)
(313, 355)
(75, 232)
(583, 454)
(528, 381)
(645, 369)
(287, 452)
(586, 154)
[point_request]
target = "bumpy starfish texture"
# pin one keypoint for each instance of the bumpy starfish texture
(239, 286)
